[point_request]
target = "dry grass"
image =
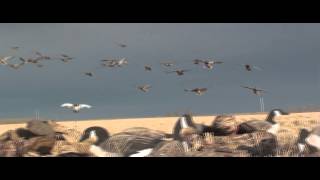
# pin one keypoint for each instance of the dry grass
(286, 138)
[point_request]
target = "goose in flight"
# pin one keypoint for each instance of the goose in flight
(198, 91)
(144, 88)
(167, 64)
(179, 72)
(75, 107)
(255, 90)
(249, 67)
(16, 66)
(147, 68)
(15, 48)
(121, 45)
(88, 74)
(41, 56)
(3, 60)
(114, 62)
(210, 64)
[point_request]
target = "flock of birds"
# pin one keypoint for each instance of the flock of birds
(223, 138)
(39, 58)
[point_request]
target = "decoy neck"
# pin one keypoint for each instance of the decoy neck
(274, 113)
(301, 141)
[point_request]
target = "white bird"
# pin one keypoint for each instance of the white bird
(75, 107)
(3, 60)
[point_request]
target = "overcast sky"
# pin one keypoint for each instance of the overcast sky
(289, 55)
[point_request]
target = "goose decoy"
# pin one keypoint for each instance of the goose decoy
(309, 142)
(101, 133)
(147, 68)
(75, 107)
(255, 90)
(224, 125)
(40, 128)
(3, 60)
(133, 140)
(179, 72)
(258, 143)
(185, 127)
(198, 91)
(172, 148)
(269, 125)
(144, 88)
(314, 137)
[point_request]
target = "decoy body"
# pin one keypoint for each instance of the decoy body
(269, 125)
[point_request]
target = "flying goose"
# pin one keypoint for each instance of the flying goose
(167, 64)
(144, 88)
(3, 60)
(179, 72)
(208, 64)
(114, 62)
(15, 48)
(16, 66)
(41, 56)
(255, 90)
(88, 74)
(121, 45)
(198, 91)
(75, 107)
(147, 68)
(269, 125)
(249, 67)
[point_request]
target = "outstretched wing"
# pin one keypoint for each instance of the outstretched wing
(7, 58)
(257, 68)
(84, 106)
(67, 105)
(247, 87)
(203, 89)
(218, 62)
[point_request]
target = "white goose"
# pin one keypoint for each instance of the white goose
(75, 107)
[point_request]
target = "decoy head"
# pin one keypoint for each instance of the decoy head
(303, 134)
(278, 112)
(95, 132)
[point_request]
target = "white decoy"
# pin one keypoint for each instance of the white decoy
(75, 107)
